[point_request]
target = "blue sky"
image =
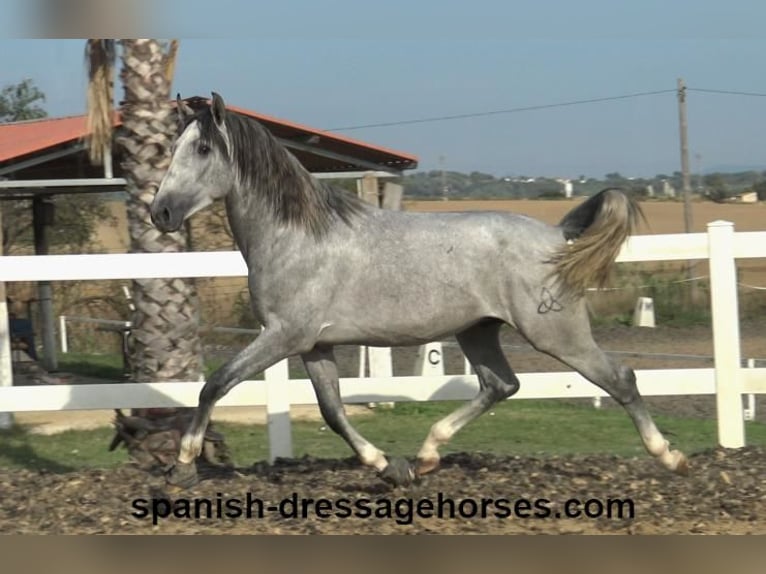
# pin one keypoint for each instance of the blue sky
(343, 64)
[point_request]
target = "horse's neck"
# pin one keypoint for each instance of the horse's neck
(251, 222)
(242, 227)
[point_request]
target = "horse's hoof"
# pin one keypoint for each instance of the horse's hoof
(426, 466)
(681, 463)
(399, 472)
(181, 476)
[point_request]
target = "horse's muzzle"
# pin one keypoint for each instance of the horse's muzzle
(163, 218)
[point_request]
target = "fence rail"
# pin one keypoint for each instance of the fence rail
(64, 331)
(727, 380)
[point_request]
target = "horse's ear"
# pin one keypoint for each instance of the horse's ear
(184, 111)
(219, 110)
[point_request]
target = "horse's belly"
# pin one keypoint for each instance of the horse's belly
(406, 324)
(416, 294)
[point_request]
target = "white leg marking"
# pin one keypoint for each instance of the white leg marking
(660, 448)
(441, 432)
(656, 443)
(374, 457)
(191, 446)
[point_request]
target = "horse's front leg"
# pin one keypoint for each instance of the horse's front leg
(271, 346)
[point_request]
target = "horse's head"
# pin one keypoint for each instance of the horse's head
(199, 171)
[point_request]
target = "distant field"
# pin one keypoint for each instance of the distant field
(662, 216)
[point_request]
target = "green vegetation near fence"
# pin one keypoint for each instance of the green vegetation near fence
(516, 427)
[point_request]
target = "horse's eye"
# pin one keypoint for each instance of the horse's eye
(203, 149)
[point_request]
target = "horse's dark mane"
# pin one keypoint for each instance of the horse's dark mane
(264, 166)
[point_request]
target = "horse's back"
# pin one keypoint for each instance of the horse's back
(453, 236)
(410, 277)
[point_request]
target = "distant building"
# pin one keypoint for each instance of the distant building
(566, 185)
(667, 189)
(748, 197)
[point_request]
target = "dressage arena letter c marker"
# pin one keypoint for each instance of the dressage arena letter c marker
(430, 360)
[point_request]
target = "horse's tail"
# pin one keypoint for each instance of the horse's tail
(595, 231)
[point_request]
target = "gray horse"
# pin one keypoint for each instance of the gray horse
(326, 269)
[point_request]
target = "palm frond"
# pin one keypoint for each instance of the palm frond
(100, 57)
(170, 62)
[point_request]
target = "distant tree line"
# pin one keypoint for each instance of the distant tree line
(479, 185)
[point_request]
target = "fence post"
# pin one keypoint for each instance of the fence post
(750, 409)
(362, 362)
(381, 366)
(6, 359)
(725, 311)
(6, 364)
(278, 410)
(62, 333)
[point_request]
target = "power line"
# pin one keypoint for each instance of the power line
(505, 111)
(541, 107)
(727, 92)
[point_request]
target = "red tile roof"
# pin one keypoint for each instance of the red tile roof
(23, 138)
(273, 122)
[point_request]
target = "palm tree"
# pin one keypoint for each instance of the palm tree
(166, 344)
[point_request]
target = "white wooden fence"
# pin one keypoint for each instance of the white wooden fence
(727, 380)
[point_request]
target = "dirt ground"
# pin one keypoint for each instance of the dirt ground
(724, 494)
(725, 491)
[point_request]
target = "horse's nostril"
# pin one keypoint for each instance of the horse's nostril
(161, 217)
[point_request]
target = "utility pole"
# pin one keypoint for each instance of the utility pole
(685, 177)
(684, 155)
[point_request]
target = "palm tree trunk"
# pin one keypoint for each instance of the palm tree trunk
(165, 344)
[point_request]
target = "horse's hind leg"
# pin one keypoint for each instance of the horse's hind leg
(567, 337)
(323, 372)
(497, 381)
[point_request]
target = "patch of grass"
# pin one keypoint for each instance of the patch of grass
(110, 366)
(62, 452)
(516, 427)
(674, 304)
(623, 319)
(211, 366)
(539, 427)
(90, 365)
